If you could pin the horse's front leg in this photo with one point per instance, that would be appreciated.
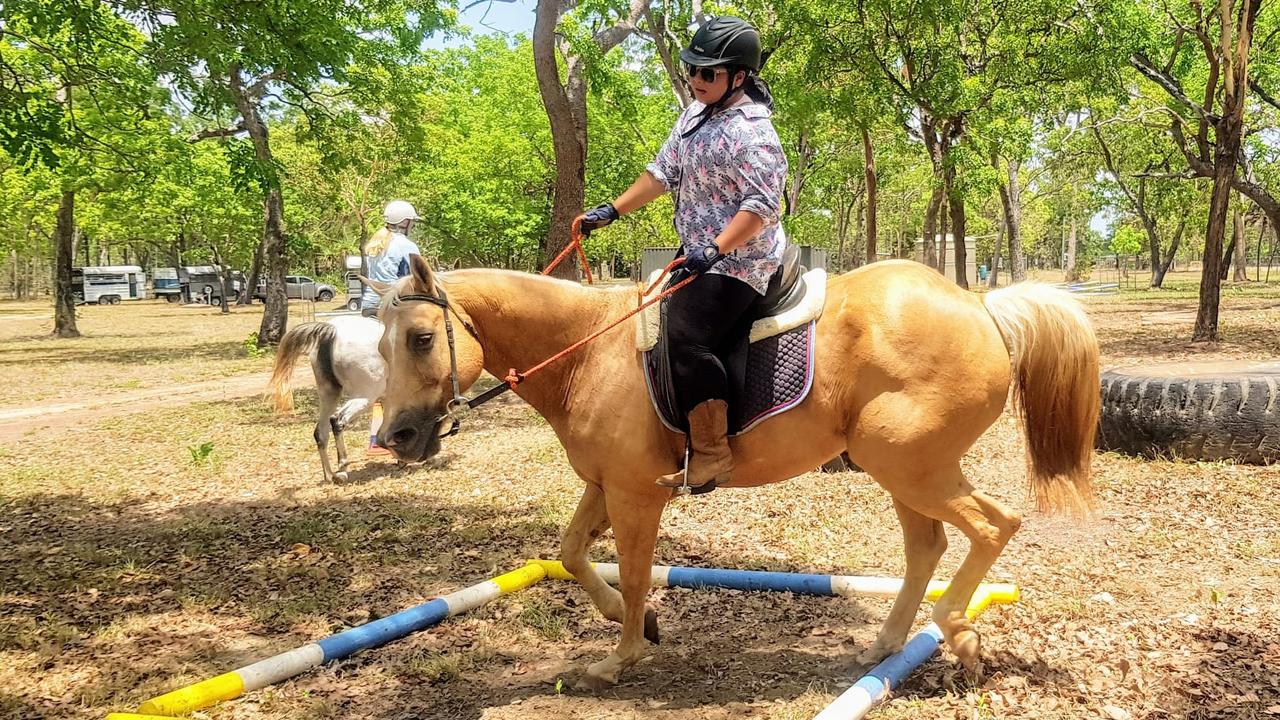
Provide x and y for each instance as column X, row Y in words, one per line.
column 635, row 513
column 349, row 411
column 589, row 523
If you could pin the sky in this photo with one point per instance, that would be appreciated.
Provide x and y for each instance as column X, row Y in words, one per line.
column 489, row 18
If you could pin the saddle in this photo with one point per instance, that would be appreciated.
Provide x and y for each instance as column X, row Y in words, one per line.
column 779, row 351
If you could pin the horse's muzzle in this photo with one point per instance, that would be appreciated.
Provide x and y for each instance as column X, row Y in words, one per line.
column 411, row 434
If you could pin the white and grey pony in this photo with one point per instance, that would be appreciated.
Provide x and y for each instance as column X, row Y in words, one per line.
column 345, row 361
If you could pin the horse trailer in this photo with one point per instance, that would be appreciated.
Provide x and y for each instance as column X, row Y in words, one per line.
column 355, row 286
column 166, row 284
column 108, row 285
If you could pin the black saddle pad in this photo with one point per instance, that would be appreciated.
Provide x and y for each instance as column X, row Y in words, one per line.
column 779, row 375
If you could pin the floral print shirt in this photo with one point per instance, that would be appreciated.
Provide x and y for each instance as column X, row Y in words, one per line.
column 733, row 162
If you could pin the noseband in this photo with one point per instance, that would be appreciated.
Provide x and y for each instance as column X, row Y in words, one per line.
column 460, row 405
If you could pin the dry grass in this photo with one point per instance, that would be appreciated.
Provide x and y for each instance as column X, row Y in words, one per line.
column 129, row 568
column 131, row 346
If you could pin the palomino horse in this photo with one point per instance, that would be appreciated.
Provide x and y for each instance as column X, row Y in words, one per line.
column 910, row 371
column 345, row 361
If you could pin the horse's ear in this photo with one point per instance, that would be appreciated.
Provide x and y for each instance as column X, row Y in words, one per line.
column 423, row 279
column 379, row 287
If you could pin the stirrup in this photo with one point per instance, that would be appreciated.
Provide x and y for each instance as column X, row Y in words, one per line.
column 685, row 488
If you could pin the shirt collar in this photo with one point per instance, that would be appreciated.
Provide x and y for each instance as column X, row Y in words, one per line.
column 749, row 108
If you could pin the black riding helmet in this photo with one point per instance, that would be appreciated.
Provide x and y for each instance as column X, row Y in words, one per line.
column 723, row 41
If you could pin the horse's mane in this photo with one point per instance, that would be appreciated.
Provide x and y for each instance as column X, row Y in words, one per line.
column 455, row 278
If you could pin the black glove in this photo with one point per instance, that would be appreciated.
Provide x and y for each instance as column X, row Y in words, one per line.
column 701, row 260
column 597, row 217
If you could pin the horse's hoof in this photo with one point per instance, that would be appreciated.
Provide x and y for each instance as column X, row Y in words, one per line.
column 589, row 683
column 966, row 645
column 651, row 626
column 340, row 477
column 600, row 676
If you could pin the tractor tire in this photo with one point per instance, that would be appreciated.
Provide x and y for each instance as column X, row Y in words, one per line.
column 1193, row 411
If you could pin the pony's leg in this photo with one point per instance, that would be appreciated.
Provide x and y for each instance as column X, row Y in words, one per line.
column 349, row 411
column 988, row 523
column 589, row 522
column 924, row 542
column 328, row 400
column 635, row 514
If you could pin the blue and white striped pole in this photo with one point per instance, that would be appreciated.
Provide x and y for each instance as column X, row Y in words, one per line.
column 335, row 647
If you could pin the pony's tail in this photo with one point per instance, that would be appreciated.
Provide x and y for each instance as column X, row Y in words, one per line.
column 295, row 343
column 1055, row 389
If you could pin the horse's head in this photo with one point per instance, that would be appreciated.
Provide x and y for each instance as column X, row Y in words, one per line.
column 420, row 362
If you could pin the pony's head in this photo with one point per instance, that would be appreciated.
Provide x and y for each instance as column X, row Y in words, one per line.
column 420, row 362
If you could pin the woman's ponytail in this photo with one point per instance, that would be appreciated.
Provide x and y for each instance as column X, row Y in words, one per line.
column 378, row 243
column 758, row 90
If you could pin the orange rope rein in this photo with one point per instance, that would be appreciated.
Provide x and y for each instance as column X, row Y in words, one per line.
column 514, row 378
column 575, row 243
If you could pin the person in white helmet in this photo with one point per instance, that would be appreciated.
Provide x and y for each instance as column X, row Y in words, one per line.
column 386, row 255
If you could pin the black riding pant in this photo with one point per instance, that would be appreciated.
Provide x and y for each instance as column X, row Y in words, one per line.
column 708, row 322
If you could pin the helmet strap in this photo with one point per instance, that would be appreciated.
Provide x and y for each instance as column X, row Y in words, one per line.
column 716, row 106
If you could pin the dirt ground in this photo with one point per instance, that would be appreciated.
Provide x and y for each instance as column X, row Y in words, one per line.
column 155, row 548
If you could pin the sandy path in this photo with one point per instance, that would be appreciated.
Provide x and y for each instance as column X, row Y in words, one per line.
column 19, row 422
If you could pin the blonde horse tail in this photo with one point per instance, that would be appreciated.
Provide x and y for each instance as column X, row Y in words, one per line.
column 1054, row 355
column 295, row 343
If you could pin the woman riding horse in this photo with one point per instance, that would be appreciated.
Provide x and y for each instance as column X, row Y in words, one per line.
column 724, row 166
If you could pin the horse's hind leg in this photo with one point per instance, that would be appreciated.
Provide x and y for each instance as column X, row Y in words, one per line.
column 328, row 400
column 988, row 523
column 924, row 542
column 349, row 411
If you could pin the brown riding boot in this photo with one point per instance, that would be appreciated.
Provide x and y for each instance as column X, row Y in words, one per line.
column 710, row 460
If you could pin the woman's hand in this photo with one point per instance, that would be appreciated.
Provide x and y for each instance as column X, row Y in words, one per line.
column 702, row 259
column 597, row 217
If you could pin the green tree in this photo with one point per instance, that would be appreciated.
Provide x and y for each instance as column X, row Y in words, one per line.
column 75, row 98
column 239, row 63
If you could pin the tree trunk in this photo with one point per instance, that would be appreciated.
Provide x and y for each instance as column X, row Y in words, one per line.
column 961, row 252
column 275, row 316
column 993, row 275
column 255, row 272
column 929, row 130
column 1011, row 201
column 1242, row 252
column 226, row 279
column 1069, row 271
column 1229, row 253
column 1159, row 271
column 658, row 28
column 930, row 239
column 1228, row 129
column 566, row 107
column 568, row 139
column 64, row 304
column 869, row 170
column 803, row 156
column 945, row 228
column 1206, row 327
column 859, row 229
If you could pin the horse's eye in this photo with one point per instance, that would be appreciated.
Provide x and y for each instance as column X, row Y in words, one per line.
column 421, row 342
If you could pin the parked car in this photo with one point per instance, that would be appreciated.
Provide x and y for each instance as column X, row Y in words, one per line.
column 300, row 287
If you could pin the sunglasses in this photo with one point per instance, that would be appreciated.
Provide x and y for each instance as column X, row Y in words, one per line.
column 708, row 74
